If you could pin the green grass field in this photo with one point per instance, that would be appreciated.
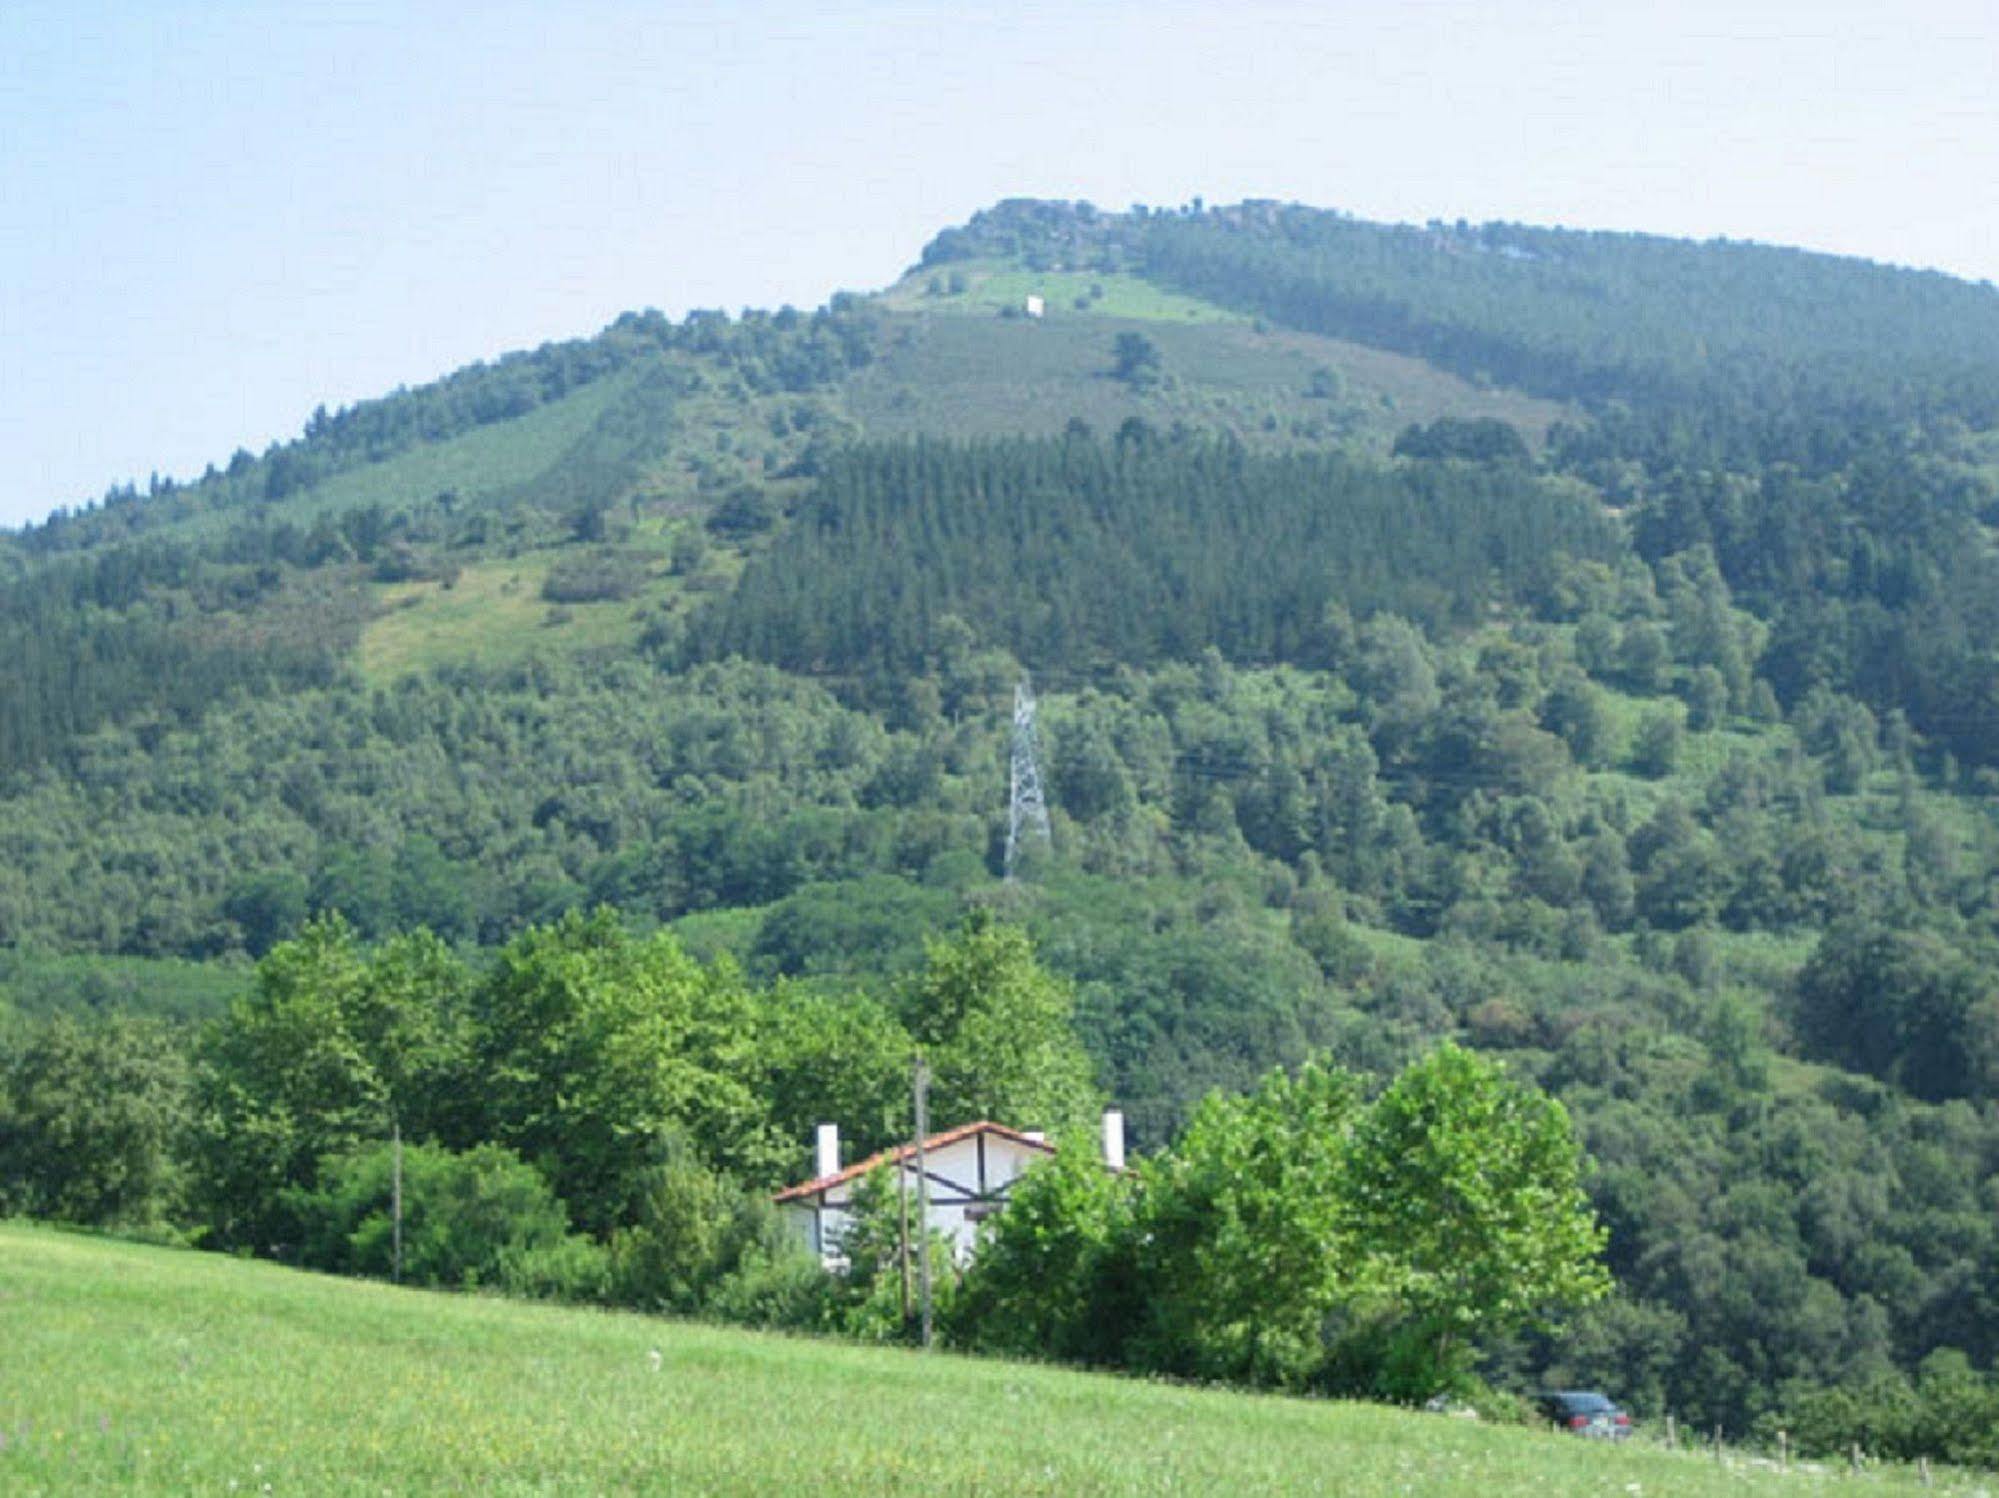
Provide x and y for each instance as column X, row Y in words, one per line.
column 992, row 286
column 133, row 1369
column 987, row 376
column 494, row 614
column 473, row 465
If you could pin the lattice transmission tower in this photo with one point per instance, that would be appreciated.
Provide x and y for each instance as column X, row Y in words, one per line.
column 1027, row 808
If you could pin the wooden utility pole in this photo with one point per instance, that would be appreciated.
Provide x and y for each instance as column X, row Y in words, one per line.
column 902, row 1205
column 396, row 1201
column 922, row 1083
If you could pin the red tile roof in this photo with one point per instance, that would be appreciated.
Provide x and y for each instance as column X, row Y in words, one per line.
column 903, row 1152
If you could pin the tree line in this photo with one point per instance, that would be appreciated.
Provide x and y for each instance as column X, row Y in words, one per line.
column 787, row 351
column 633, row 1109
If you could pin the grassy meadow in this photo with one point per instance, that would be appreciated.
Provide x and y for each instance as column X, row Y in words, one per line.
column 136, row 1369
column 994, row 286
column 982, row 377
column 493, row 614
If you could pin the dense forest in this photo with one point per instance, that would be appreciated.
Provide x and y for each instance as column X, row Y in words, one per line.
column 1074, row 555
column 1585, row 315
column 1655, row 761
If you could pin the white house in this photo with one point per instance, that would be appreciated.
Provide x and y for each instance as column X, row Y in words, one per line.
column 970, row 1170
column 1035, row 306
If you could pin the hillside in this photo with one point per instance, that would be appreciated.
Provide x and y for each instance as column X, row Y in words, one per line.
column 1575, row 646
column 141, row 1370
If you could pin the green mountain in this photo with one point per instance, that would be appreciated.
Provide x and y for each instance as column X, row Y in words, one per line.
column 1580, row 645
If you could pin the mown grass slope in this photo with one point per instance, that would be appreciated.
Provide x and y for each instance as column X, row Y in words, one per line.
column 129, row 1368
column 978, row 374
column 993, row 286
column 494, row 613
column 473, row 466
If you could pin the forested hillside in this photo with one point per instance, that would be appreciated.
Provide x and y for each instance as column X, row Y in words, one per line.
column 1075, row 555
column 1577, row 646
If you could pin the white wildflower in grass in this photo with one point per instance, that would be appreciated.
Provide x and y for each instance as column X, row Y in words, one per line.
column 653, row 1357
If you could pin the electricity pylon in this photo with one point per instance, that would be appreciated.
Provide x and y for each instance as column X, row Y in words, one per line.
column 1027, row 808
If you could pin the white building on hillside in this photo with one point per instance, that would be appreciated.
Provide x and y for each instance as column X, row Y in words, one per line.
column 970, row 1171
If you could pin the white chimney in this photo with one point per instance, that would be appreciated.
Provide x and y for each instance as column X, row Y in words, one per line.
column 1035, row 1136
column 1114, row 1138
column 828, row 1152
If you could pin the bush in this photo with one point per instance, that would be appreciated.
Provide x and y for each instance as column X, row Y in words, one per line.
column 744, row 513
column 483, row 1217
column 1501, row 1407
column 689, row 552
column 781, row 1286
column 1950, row 1412
column 1480, row 439
column 1135, row 360
column 1656, row 753
column 573, row 1268
column 600, row 577
column 92, row 1120
column 704, row 1245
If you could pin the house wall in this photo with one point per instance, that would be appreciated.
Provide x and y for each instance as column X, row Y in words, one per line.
column 965, row 1177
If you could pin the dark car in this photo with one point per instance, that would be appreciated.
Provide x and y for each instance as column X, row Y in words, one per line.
column 1585, row 1414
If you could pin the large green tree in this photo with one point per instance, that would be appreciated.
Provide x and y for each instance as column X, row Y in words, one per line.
column 335, row 1047
column 1053, row 1276
column 1464, row 1195
column 1906, row 1006
column 93, row 1118
column 591, row 1045
column 999, row 1032
column 1238, row 1233
column 826, row 1058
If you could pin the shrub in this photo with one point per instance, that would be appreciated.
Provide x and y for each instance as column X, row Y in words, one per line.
column 481, row 1217
column 744, row 513
column 780, row 1285
column 1480, row 439
column 1656, row 753
column 702, row 1244
column 599, row 577
column 573, row 1268
column 689, row 552
column 1949, row 1412
column 92, row 1118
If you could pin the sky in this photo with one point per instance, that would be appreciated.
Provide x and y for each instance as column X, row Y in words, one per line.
column 215, row 217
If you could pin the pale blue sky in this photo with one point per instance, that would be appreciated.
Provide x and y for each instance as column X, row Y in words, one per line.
column 215, row 216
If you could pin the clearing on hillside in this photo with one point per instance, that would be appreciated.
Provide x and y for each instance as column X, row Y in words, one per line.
column 983, row 375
